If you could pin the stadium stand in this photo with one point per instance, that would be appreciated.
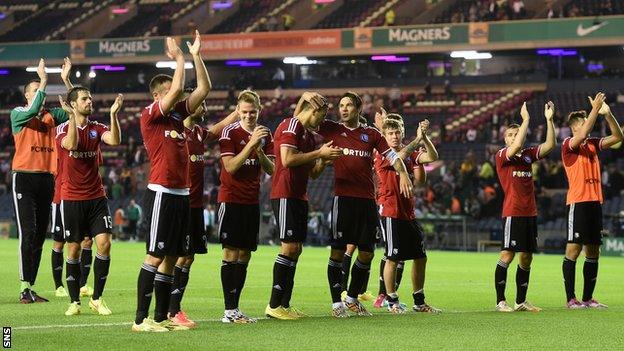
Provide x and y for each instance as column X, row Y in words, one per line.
column 269, row 22
column 47, row 18
column 477, row 11
column 248, row 13
column 350, row 14
column 576, row 8
column 151, row 13
column 20, row 10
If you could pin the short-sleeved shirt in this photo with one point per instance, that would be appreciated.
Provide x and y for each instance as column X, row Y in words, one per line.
column 292, row 182
column 353, row 172
column 242, row 187
column 582, row 167
column 196, row 139
column 516, row 177
column 166, row 145
column 393, row 203
column 81, row 178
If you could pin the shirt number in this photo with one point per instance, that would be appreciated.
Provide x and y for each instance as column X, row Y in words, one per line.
column 108, row 222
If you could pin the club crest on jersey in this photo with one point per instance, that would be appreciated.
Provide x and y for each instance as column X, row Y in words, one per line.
column 174, row 134
column 92, row 134
column 527, row 159
column 364, row 138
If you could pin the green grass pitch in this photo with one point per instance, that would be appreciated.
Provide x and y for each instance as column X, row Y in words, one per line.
column 459, row 283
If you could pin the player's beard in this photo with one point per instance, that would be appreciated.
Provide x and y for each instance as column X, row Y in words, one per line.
column 86, row 111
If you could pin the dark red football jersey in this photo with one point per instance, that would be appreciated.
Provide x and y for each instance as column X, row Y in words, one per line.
column 516, row 177
column 393, row 203
column 80, row 175
column 196, row 139
column 292, row 182
column 353, row 172
column 166, row 146
column 242, row 187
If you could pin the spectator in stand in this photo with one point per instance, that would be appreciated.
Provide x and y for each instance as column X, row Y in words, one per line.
column 518, row 9
column 471, row 135
column 116, row 191
column 112, row 176
column 427, row 89
column 209, row 219
column 551, row 12
column 126, row 180
column 119, row 221
column 486, row 173
column 574, row 11
column 614, row 181
column 134, row 213
column 492, row 11
column 473, row 13
column 279, row 77
column 289, row 21
column 448, row 90
column 395, row 97
column 390, row 18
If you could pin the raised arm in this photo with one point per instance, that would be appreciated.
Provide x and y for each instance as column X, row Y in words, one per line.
column 518, row 142
column 203, row 80
column 587, row 127
column 547, row 146
column 22, row 115
column 616, row 131
column 177, row 84
column 233, row 163
column 431, row 154
column 70, row 140
column 43, row 75
column 408, row 149
column 217, row 128
column 65, row 72
column 113, row 137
